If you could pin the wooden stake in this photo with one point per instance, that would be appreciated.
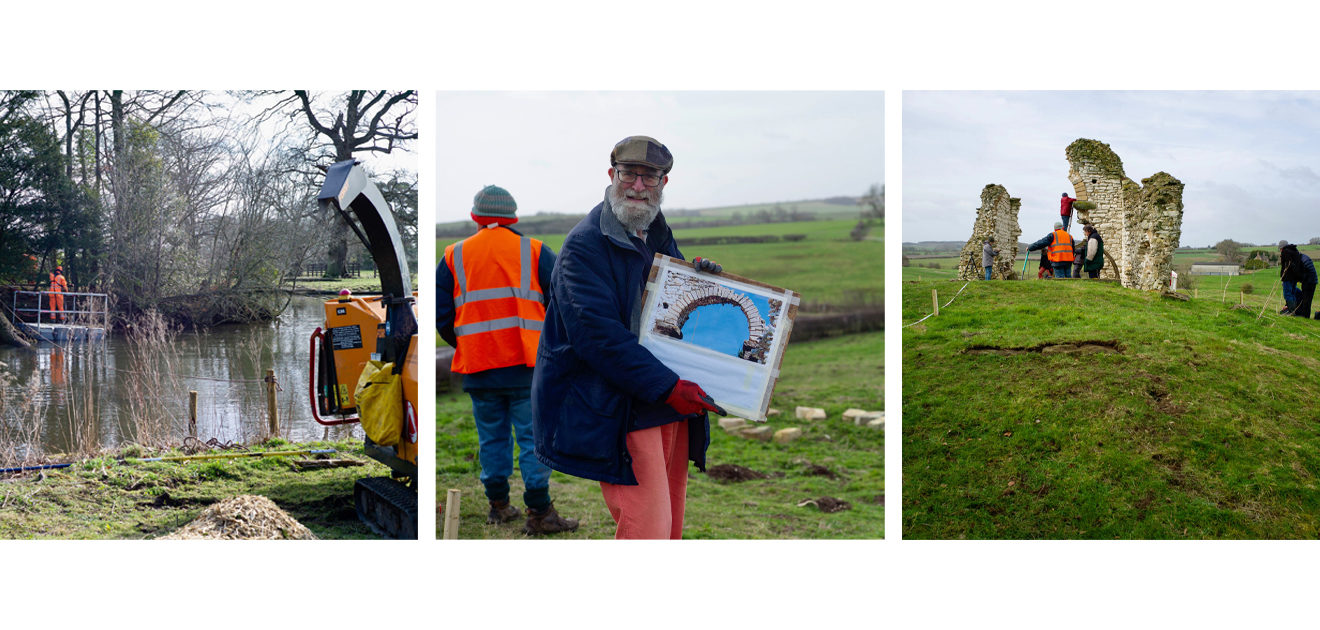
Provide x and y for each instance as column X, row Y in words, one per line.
column 192, row 414
column 1196, row 293
column 452, row 500
column 935, row 299
column 272, row 409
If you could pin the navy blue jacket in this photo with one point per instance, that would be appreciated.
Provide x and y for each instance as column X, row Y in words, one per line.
column 593, row 381
column 512, row 377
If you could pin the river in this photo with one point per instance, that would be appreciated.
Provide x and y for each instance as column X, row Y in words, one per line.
column 102, row 395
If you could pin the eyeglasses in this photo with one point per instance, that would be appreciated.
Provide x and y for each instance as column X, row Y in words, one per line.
column 628, row 177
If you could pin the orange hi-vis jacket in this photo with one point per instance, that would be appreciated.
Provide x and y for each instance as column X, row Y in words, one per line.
column 499, row 304
column 58, row 283
column 1061, row 250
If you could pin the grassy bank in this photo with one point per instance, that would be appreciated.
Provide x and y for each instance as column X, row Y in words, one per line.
column 1078, row 409
column 109, row 499
column 832, row 458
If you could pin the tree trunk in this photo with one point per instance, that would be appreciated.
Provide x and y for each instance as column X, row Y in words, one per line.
column 10, row 336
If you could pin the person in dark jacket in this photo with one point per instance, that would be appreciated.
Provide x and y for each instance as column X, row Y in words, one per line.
column 1296, row 268
column 489, row 306
column 988, row 253
column 605, row 408
column 1058, row 246
column 1093, row 258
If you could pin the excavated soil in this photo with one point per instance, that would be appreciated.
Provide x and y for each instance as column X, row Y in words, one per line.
column 733, row 472
column 244, row 517
column 1073, row 347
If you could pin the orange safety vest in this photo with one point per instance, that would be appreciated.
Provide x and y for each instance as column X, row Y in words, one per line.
column 1062, row 249
column 58, row 283
column 499, row 304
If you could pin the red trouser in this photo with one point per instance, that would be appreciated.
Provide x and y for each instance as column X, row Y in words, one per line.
column 654, row 507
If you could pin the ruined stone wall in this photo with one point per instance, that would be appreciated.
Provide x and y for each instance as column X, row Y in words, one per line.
column 1141, row 225
column 998, row 217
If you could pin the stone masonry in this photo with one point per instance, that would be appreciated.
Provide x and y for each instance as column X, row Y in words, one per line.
column 998, row 217
column 1140, row 224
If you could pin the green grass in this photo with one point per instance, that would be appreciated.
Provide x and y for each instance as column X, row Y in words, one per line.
column 107, row 499
column 368, row 284
column 836, row 374
column 826, row 267
column 1202, row 426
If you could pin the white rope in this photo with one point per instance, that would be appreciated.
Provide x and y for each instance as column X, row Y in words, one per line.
column 946, row 305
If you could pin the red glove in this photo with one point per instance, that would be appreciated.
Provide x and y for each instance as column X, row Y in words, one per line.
column 688, row 399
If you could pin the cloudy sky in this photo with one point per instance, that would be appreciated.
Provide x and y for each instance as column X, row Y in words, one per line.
column 1249, row 160
column 551, row 149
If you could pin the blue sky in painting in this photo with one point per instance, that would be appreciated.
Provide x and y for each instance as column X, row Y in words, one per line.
column 722, row 327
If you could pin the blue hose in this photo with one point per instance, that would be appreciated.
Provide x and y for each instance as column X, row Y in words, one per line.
column 27, row 468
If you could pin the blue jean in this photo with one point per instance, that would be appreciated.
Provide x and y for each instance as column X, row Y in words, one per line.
column 1290, row 294
column 501, row 414
column 987, row 272
column 1062, row 270
column 1066, row 220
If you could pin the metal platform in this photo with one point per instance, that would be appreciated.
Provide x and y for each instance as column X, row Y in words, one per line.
column 62, row 333
column 61, row 317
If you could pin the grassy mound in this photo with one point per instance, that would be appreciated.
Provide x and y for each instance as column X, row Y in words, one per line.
column 1078, row 409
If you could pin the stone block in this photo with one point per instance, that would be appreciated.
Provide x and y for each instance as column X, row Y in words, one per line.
column 732, row 424
column 772, row 412
column 763, row 433
column 810, row 413
column 867, row 417
column 878, row 423
column 851, row 414
column 784, row 436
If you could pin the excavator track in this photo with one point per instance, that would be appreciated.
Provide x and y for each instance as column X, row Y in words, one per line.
column 388, row 507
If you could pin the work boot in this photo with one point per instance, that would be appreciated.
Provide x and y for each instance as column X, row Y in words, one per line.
column 501, row 512
column 548, row 521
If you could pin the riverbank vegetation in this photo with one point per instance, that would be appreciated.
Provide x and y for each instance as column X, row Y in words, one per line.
column 199, row 206
column 113, row 496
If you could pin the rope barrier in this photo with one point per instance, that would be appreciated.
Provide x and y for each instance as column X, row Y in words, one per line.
column 946, row 305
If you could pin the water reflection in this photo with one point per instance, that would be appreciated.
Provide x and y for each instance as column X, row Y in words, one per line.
column 80, row 397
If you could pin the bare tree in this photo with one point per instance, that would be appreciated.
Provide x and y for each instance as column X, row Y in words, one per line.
column 360, row 121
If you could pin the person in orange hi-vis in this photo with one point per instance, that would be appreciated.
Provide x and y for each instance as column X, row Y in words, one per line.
column 58, row 285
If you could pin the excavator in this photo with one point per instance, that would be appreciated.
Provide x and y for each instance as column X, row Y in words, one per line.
column 371, row 342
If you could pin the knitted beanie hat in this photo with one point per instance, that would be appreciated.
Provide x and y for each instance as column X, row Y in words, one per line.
column 493, row 204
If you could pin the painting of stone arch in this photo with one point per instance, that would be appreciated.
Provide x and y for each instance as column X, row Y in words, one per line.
column 722, row 331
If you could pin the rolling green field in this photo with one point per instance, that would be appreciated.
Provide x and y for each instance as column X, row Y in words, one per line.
column 1080, row 409
column 826, row 267
column 833, row 458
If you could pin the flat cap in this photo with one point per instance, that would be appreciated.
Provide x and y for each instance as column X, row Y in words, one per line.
column 642, row 150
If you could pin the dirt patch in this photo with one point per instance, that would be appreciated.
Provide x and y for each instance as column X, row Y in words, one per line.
column 1160, row 397
column 1072, row 347
column 733, row 472
column 816, row 470
column 827, row 505
column 244, row 517
column 164, row 500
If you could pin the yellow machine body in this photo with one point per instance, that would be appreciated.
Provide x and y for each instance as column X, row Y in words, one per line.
column 351, row 328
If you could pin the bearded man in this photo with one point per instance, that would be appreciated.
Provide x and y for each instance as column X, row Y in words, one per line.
column 604, row 407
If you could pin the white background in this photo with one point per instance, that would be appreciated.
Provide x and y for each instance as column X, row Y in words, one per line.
column 823, row 44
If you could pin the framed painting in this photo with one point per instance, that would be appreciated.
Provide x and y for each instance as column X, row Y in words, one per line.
column 723, row 332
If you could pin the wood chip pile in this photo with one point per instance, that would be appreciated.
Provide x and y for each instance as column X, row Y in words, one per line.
column 244, row 517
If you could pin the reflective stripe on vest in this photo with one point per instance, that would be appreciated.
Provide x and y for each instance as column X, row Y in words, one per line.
column 500, row 325
column 1062, row 249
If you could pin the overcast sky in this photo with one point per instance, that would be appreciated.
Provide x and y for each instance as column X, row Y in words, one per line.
column 1249, row 160
column 551, row 149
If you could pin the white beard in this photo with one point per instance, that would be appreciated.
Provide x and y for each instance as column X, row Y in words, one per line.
column 636, row 214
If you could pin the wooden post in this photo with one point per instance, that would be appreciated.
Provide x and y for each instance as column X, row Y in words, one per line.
column 452, row 500
column 272, row 410
column 1196, row 293
column 935, row 299
column 1241, row 298
column 192, row 414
